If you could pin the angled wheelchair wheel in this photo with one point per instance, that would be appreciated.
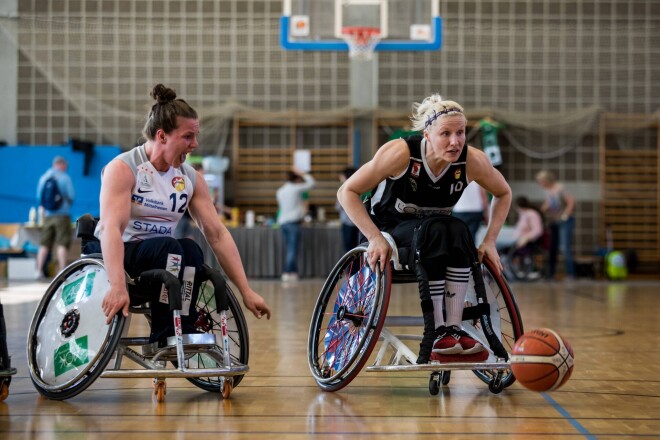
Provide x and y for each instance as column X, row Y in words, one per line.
column 347, row 320
column 504, row 319
column 69, row 344
column 208, row 321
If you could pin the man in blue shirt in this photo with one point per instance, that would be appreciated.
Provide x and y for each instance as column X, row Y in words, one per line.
column 56, row 228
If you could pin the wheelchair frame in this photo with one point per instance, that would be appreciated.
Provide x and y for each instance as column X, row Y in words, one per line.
column 181, row 350
column 341, row 340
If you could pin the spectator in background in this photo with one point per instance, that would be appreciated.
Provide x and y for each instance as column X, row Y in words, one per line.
column 55, row 196
column 558, row 208
column 349, row 232
column 291, row 214
column 529, row 227
column 472, row 208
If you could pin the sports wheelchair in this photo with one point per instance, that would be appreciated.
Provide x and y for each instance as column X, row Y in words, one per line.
column 350, row 319
column 69, row 344
column 526, row 263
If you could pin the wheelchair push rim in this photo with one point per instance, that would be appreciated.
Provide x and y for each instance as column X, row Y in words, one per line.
column 347, row 320
column 69, row 342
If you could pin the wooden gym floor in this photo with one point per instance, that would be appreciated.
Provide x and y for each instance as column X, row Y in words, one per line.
column 614, row 391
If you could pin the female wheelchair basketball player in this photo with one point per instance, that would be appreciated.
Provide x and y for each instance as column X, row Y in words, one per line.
column 417, row 181
column 144, row 193
column 412, row 238
column 423, row 177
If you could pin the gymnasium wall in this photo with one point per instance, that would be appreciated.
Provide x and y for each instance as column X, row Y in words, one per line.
column 86, row 67
column 21, row 167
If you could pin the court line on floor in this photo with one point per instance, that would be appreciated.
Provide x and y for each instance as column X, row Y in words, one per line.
column 567, row 416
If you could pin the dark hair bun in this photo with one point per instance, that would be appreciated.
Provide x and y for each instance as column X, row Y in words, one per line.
column 163, row 94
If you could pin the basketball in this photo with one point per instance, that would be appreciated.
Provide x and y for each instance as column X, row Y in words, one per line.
column 542, row 360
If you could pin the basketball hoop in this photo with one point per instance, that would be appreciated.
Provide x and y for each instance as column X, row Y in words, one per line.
column 361, row 41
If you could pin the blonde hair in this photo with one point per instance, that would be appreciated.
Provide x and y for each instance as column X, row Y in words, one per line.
column 546, row 176
column 431, row 109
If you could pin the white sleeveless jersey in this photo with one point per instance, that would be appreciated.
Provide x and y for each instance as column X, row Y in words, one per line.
column 159, row 199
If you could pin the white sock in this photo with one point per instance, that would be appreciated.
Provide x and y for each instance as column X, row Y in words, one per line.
column 437, row 289
column 455, row 291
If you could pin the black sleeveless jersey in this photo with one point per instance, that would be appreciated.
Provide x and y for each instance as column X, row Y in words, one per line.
column 417, row 193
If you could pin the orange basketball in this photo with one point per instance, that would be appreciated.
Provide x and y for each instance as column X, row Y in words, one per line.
column 542, row 360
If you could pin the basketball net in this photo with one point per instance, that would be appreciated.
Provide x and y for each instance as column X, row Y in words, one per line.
column 361, row 41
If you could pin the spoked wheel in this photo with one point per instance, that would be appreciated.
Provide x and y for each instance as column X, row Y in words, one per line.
column 505, row 320
column 347, row 320
column 69, row 343
column 208, row 321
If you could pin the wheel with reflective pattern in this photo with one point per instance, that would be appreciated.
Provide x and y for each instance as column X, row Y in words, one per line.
column 69, row 342
column 347, row 320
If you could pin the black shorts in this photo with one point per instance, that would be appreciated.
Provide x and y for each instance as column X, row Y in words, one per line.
column 445, row 237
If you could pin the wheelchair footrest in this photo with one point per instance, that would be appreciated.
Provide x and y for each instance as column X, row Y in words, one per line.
column 235, row 370
column 192, row 341
column 438, row 366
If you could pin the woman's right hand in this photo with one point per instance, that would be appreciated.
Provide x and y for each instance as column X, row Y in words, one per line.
column 115, row 300
column 378, row 252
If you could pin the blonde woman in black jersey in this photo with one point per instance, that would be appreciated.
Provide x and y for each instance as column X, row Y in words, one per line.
column 420, row 177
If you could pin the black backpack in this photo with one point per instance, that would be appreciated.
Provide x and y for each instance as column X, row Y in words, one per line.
column 51, row 197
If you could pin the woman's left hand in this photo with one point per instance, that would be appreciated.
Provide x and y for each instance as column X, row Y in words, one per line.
column 488, row 250
column 256, row 304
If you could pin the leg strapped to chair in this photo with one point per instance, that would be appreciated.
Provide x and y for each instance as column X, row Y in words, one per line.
column 476, row 316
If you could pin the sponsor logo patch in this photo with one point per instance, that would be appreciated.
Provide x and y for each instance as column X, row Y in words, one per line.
column 178, row 183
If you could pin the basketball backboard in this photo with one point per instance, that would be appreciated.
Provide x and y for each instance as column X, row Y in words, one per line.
column 317, row 25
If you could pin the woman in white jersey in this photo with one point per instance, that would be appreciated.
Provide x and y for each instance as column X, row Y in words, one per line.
column 422, row 177
column 144, row 193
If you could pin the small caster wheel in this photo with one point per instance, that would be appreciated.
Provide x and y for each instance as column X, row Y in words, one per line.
column 495, row 385
column 160, row 389
column 4, row 390
column 227, row 386
column 446, row 375
column 434, row 383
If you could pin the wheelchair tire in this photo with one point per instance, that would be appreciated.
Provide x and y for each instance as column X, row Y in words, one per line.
column 239, row 344
column 69, row 344
column 525, row 267
column 509, row 327
column 347, row 320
